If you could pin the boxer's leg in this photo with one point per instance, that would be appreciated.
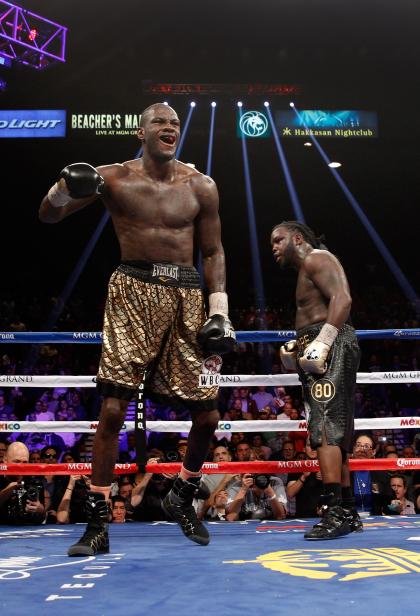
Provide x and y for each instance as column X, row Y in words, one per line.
column 105, row 454
column 178, row 503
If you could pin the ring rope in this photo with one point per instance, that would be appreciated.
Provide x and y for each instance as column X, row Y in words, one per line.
column 209, row 380
column 211, row 468
column 241, row 336
column 258, row 425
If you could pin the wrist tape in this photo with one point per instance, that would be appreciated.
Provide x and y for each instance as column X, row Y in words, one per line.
column 327, row 335
column 57, row 197
column 218, row 304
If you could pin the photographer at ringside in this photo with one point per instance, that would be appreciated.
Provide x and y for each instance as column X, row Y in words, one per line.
column 72, row 506
column 256, row 497
column 22, row 497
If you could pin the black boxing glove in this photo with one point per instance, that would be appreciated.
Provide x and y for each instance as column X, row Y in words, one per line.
column 82, row 180
column 217, row 335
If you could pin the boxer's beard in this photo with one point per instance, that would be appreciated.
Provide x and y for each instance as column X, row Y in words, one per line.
column 287, row 260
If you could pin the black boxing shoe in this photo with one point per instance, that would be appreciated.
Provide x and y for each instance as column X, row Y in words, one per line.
column 95, row 539
column 334, row 523
column 356, row 524
column 177, row 505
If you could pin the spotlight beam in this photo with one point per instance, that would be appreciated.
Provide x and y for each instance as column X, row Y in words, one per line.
column 184, row 131
column 256, row 260
column 211, row 139
column 399, row 275
column 287, row 175
column 208, row 172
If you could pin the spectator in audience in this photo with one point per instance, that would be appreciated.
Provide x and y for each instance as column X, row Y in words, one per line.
column 259, row 447
column 236, row 438
column 3, row 448
column 181, row 448
column 286, row 410
column 54, row 485
column 67, row 457
column 126, row 490
column 131, row 447
column 408, row 452
column 365, row 484
column 306, row 488
column 148, row 493
column 79, row 408
column 288, row 451
column 69, row 438
column 248, row 405
column 215, row 482
column 36, row 410
column 260, row 497
column 242, row 452
column 262, row 397
column 71, row 508
column 278, row 400
column 118, row 510
column 35, row 457
column 21, row 497
column 217, row 511
column 234, row 412
column 42, row 413
column 398, row 504
column 6, row 410
column 297, row 437
column 275, row 443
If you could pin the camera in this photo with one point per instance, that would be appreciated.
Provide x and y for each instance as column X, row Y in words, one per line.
column 24, row 492
column 262, row 481
column 172, row 456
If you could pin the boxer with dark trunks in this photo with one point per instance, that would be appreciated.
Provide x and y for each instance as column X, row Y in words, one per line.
column 155, row 325
column 326, row 356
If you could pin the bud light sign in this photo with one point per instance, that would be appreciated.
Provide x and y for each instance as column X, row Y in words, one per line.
column 33, row 123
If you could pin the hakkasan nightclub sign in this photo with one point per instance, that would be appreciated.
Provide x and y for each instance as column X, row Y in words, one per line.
column 104, row 124
column 320, row 123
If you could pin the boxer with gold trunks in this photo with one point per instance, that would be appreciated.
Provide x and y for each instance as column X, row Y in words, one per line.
column 155, row 325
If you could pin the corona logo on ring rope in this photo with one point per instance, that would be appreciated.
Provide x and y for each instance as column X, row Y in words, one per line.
column 253, row 124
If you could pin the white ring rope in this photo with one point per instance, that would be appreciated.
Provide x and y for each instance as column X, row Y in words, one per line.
column 259, row 425
column 209, row 380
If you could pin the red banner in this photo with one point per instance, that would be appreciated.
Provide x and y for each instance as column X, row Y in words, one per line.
column 273, row 468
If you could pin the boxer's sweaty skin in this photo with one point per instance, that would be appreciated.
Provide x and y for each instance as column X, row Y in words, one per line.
column 159, row 205
column 322, row 290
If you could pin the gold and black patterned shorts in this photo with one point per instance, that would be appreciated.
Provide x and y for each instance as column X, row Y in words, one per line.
column 152, row 316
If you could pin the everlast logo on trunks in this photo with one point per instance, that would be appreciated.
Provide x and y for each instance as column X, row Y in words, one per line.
column 165, row 272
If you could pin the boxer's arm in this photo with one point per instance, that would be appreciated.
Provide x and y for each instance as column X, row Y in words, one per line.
column 209, row 235
column 217, row 334
column 327, row 274
column 50, row 214
column 58, row 203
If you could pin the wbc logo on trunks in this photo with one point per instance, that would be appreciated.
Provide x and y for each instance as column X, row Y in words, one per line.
column 210, row 371
column 212, row 365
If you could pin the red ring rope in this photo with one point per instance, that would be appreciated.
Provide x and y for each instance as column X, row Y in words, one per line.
column 273, row 468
